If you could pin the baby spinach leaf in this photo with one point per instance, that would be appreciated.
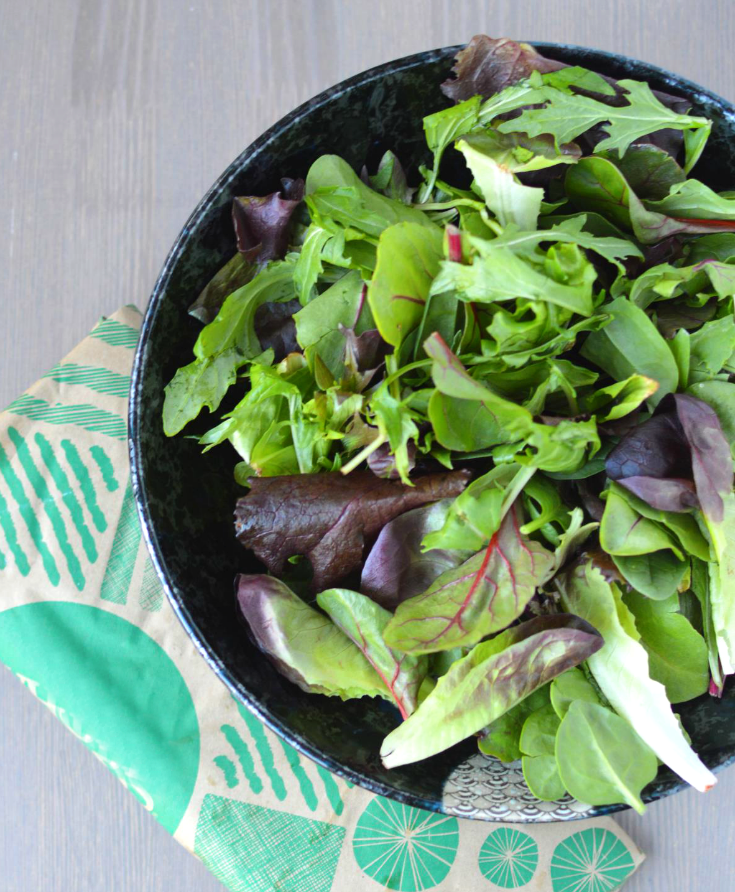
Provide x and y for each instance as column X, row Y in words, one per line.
column 465, row 425
column 396, row 569
column 625, row 532
column 502, row 737
column 649, row 170
column 489, row 681
column 481, row 596
column 572, row 685
column 328, row 517
column 542, row 777
column 620, row 399
column 621, row 670
column 677, row 654
column 629, row 345
column 537, row 744
column 303, row 644
column 711, row 347
column 408, row 260
column 601, row 759
column 657, row 575
column 363, row 622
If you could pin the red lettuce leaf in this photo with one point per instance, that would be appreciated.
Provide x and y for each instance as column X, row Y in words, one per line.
column 329, row 518
column 262, row 223
column 276, row 329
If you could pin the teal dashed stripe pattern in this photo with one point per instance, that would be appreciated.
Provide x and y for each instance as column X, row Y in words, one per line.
column 96, row 378
column 116, row 334
column 58, row 475
column 40, row 488
column 305, row 784
column 11, row 537
column 151, row 590
column 331, row 789
column 102, row 459
column 250, row 848
column 85, row 483
column 257, row 732
column 29, row 518
column 119, row 570
column 244, row 757
column 228, row 769
column 83, row 415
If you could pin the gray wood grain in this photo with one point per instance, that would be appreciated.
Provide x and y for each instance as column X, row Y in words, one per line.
column 115, row 116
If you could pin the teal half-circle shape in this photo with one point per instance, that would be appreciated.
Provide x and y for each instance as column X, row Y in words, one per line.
column 117, row 690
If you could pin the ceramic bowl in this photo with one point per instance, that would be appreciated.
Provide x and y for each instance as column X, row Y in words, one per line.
column 186, row 499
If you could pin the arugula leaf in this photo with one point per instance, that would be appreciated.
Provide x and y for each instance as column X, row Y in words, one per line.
column 442, row 129
column 408, row 260
column 502, row 737
column 621, row 670
column 677, row 654
column 363, row 621
column 223, row 346
column 566, row 116
column 305, row 646
column 629, row 345
column 483, row 595
column 328, row 517
column 601, row 758
column 396, row 569
column 489, row 681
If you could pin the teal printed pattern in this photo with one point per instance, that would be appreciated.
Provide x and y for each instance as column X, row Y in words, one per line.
column 151, row 590
column 85, row 484
column 83, row 415
column 116, row 334
column 305, row 785
column 11, row 535
column 241, row 750
column 95, row 378
column 120, row 566
column 257, row 732
column 593, row 860
column 403, row 848
column 508, row 858
column 250, row 848
column 103, row 462
column 228, row 768
column 331, row 789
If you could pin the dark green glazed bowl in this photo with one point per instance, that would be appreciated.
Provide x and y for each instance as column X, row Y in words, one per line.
column 186, row 499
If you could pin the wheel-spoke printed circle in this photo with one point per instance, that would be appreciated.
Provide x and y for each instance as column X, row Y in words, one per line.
column 509, row 858
column 593, row 860
column 404, row 848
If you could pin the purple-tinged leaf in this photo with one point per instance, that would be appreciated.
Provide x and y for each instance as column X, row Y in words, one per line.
column 495, row 676
column 238, row 271
column 363, row 621
column 383, row 462
column 396, row 569
column 669, row 494
column 276, row 329
column 487, row 65
column 304, row 645
column 262, row 223
column 656, row 448
column 481, row 596
column 329, row 517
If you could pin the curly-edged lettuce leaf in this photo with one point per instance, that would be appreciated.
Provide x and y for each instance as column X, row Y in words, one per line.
column 630, row 344
column 621, row 669
column 408, row 259
column 304, row 645
column 481, row 596
column 495, row 676
column 224, row 346
column 329, row 517
column 262, row 223
column 600, row 757
column 396, row 569
column 363, row 621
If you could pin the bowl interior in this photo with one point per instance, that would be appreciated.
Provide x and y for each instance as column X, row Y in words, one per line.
column 186, row 499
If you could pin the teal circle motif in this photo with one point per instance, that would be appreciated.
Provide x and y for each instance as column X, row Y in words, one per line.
column 404, row 848
column 593, row 860
column 117, row 690
column 508, row 858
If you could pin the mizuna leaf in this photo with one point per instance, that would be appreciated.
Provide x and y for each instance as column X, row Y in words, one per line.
column 481, row 596
column 490, row 680
column 329, row 517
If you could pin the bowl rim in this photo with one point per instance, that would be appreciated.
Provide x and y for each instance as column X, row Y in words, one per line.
column 137, row 477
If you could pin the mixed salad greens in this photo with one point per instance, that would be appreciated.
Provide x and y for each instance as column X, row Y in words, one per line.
column 487, row 426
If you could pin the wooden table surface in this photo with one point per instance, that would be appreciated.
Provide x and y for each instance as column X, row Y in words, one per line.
column 115, row 117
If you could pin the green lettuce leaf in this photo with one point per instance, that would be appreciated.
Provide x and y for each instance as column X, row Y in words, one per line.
column 502, row 737
column 490, row 680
